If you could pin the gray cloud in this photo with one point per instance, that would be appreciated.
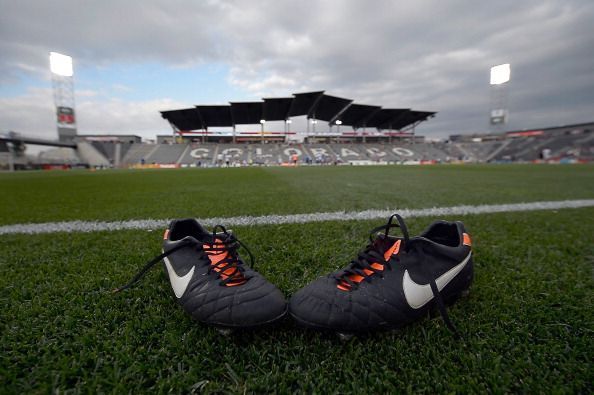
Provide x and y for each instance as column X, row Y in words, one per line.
column 429, row 55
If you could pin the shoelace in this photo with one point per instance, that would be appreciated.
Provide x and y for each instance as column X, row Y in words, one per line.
column 230, row 268
column 364, row 265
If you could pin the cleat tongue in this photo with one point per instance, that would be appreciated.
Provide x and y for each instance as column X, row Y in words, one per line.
column 217, row 254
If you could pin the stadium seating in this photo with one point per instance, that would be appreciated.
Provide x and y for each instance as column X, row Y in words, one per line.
column 478, row 151
column 105, row 148
column 522, row 149
column 138, row 152
column 198, row 154
column 167, row 154
column 560, row 146
column 66, row 156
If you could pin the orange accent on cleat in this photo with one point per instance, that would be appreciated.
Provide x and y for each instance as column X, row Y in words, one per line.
column 466, row 239
column 344, row 286
column 166, row 234
column 216, row 257
column 377, row 266
column 395, row 249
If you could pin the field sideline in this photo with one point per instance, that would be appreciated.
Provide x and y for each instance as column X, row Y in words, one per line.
column 528, row 323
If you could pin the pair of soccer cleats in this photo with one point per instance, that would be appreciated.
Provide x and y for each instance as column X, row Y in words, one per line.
column 392, row 282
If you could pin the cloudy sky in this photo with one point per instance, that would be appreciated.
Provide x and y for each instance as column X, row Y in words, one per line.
column 135, row 58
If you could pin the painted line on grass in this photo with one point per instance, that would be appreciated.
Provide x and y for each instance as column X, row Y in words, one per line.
column 147, row 224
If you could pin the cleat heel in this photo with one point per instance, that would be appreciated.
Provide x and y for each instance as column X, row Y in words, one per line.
column 454, row 298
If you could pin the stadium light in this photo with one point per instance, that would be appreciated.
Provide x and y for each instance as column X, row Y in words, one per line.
column 314, row 121
column 288, row 121
column 500, row 74
column 262, row 121
column 61, row 64
column 338, row 122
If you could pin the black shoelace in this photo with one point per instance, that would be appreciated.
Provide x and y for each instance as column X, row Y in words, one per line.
column 228, row 245
column 372, row 253
column 219, row 244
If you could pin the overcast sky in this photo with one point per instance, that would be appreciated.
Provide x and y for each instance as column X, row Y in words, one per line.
column 135, row 58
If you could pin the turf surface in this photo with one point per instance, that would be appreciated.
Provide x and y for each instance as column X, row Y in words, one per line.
column 528, row 323
column 136, row 194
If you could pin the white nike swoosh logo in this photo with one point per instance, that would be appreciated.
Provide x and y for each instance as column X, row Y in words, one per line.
column 179, row 284
column 418, row 295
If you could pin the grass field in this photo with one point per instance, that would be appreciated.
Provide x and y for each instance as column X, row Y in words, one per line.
column 528, row 323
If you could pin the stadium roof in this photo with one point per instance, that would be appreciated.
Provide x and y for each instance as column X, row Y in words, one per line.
column 407, row 118
column 303, row 103
column 385, row 116
column 277, row 109
column 316, row 105
column 247, row 112
column 215, row 115
column 327, row 107
column 356, row 114
column 186, row 119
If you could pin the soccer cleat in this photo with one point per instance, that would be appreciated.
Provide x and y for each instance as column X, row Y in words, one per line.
column 392, row 282
column 211, row 282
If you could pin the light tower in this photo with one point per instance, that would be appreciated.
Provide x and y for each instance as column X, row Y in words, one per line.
column 500, row 76
column 63, row 86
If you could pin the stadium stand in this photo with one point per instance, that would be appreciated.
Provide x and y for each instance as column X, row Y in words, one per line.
column 548, row 147
column 478, row 152
column 91, row 156
column 576, row 146
column 124, row 148
column 451, row 150
column 59, row 156
column 138, row 152
column 264, row 154
column 574, row 143
column 320, row 153
column 166, row 154
column 233, row 154
column 107, row 149
column 197, row 154
column 564, row 146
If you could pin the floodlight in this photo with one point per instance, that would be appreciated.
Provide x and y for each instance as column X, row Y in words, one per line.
column 288, row 121
column 262, row 121
column 314, row 121
column 500, row 74
column 61, row 64
column 338, row 122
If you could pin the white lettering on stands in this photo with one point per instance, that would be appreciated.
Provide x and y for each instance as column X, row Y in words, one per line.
column 376, row 152
column 292, row 151
column 348, row 152
column 199, row 152
column 402, row 151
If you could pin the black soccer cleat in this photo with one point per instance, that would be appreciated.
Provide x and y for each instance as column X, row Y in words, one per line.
column 211, row 282
column 392, row 282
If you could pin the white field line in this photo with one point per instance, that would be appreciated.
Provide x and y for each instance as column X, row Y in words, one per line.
column 147, row 224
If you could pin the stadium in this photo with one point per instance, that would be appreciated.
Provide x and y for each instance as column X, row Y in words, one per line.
column 371, row 135
column 306, row 242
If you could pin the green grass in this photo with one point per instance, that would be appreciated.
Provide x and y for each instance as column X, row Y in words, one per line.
column 528, row 323
column 116, row 195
